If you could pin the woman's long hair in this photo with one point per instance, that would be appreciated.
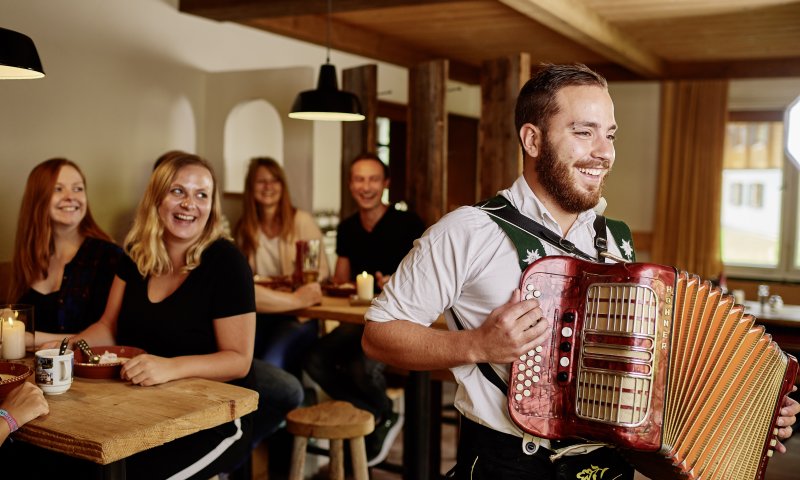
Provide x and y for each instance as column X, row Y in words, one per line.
column 249, row 224
column 34, row 242
column 145, row 243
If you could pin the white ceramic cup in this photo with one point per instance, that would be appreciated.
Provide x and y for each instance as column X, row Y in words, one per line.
column 54, row 371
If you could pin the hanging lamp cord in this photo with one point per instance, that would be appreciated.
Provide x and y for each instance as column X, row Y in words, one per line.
column 328, row 33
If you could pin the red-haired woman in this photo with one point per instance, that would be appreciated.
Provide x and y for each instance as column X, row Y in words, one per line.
column 63, row 262
column 266, row 233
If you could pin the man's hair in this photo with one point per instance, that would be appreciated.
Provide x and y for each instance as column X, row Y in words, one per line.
column 370, row 156
column 536, row 103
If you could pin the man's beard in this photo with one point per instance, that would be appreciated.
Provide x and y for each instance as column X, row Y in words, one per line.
column 556, row 178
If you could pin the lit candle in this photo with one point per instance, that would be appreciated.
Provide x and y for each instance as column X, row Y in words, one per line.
column 13, row 339
column 365, row 285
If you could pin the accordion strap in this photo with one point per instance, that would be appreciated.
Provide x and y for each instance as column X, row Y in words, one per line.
column 484, row 367
column 518, row 227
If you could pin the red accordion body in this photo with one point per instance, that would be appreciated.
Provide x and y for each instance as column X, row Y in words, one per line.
column 652, row 360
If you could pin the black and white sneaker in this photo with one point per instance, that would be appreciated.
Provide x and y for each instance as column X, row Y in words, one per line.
column 380, row 441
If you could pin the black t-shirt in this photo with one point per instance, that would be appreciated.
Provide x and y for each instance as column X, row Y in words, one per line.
column 384, row 247
column 81, row 299
column 182, row 324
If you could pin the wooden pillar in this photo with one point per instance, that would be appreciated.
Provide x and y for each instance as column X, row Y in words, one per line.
column 499, row 153
column 426, row 164
column 358, row 137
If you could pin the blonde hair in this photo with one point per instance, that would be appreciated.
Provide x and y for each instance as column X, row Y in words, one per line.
column 145, row 242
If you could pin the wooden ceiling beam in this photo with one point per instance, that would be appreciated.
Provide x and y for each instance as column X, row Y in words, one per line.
column 577, row 22
column 235, row 10
column 311, row 28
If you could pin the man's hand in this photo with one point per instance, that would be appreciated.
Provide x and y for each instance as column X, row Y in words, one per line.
column 788, row 415
column 511, row 330
column 381, row 279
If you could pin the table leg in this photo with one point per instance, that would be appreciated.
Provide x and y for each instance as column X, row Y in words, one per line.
column 416, row 434
column 112, row 471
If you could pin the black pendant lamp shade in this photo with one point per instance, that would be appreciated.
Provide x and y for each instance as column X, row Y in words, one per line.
column 18, row 56
column 327, row 102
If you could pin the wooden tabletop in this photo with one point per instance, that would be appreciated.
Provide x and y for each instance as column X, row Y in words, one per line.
column 343, row 309
column 107, row 420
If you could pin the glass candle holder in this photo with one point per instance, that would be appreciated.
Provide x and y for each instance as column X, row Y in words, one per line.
column 16, row 331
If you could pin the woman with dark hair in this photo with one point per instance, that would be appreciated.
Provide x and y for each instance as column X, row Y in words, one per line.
column 63, row 263
column 266, row 233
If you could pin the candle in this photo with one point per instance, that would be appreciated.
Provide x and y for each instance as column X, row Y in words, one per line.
column 365, row 285
column 13, row 339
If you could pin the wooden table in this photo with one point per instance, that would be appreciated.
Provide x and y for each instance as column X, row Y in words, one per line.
column 106, row 421
column 421, row 434
column 783, row 324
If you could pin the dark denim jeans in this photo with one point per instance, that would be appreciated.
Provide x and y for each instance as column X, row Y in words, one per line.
column 279, row 392
column 338, row 364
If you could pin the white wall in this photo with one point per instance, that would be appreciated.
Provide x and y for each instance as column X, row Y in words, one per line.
column 125, row 76
column 121, row 76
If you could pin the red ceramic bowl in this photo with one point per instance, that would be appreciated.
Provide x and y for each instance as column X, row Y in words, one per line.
column 84, row 369
column 18, row 372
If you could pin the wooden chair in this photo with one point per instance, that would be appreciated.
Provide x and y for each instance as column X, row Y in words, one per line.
column 336, row 421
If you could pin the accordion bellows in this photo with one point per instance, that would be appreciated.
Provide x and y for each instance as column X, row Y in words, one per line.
column 654, row 361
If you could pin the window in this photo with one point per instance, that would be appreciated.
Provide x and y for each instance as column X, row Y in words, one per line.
column 759, row 218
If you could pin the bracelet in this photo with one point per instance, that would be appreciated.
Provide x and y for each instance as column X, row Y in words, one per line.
column 12, row 424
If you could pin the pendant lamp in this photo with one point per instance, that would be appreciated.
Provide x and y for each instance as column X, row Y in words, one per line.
column 327, row 102
column 18, row 56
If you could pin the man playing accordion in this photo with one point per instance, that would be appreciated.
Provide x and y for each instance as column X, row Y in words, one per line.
column 468, row 265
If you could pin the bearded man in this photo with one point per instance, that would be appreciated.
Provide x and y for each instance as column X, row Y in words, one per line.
column 468, row 267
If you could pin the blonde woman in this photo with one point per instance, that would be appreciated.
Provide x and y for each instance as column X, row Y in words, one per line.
column 185, row 295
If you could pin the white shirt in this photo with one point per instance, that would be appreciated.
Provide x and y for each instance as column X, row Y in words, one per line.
column 467, row 262
column 268, row 261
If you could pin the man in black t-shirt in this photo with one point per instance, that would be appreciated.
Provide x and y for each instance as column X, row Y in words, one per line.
column 374, row 240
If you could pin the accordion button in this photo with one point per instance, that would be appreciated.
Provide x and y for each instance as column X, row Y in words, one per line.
column 565, row 346
column 522, row 357
column 773, row 442
column 518, row 397
column 531, row 352
column 522, row 367
column 527, row 383
column 566, row 332
column 568, row 317
column 770, row 453
column 527, row 393
column 529, row 287
column 538, row 349
column 529, row 373
column 537, row 293
column 519, row 386
column 529, row 362
column 537, row 358
column 562, row 376
column 520, row 377
column 528, row 296
column 535, row 378
column 564, row 361
column 537, row 368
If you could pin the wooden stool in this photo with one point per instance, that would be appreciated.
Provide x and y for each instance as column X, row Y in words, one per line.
column 335, row 421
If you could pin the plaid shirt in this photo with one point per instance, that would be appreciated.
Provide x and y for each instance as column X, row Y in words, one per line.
column 84, row 290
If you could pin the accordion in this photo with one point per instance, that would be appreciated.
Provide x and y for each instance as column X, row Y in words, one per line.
column 654, row 361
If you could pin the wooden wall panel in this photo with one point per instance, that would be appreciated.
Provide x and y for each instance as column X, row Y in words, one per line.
column 499, row 153
column 426, row 165
column 358, row 137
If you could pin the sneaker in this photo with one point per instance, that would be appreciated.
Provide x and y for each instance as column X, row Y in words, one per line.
column 380, row 441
